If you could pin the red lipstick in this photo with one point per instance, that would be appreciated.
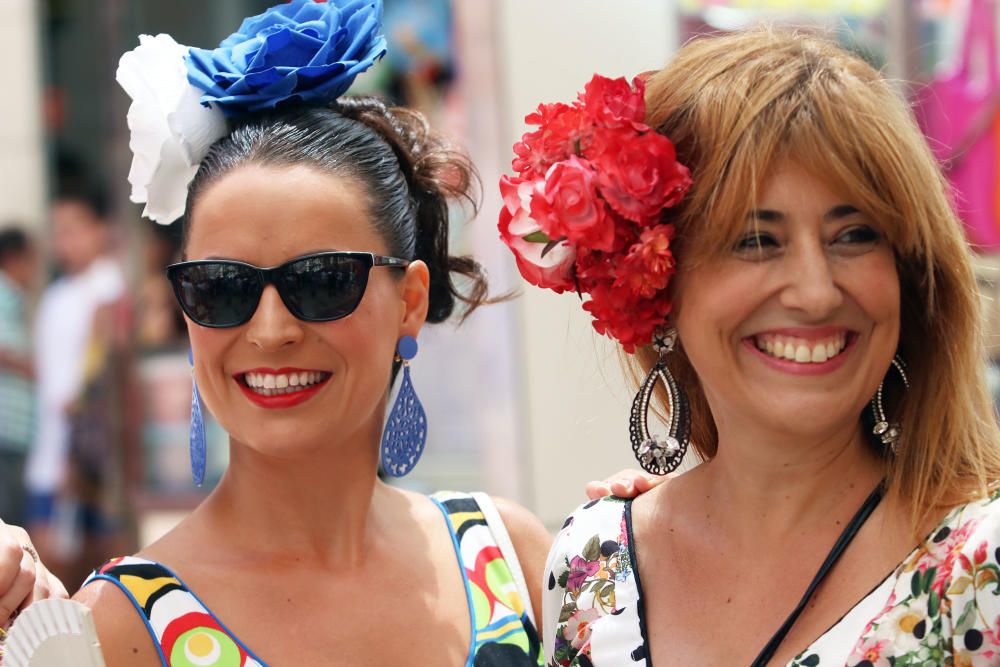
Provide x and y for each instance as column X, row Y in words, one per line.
column 281, row 401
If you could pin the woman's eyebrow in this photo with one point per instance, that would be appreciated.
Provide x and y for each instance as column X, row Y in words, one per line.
column 841, row 211
column 769, row 215
column 766, row 215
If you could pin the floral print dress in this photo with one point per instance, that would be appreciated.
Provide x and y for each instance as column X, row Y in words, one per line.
column 940, row 606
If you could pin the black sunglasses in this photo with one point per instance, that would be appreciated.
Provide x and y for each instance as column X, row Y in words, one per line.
column 327, row 286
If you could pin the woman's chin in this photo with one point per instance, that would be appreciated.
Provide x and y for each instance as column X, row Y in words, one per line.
column 809, row 416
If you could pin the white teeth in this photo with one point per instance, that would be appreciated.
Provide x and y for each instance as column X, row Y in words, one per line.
column 800, row 350
column 282, row 383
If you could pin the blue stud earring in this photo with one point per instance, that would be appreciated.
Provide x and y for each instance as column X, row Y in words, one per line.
column 406, row 429
column 197, row 443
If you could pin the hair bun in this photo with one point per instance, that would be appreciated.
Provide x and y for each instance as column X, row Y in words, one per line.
column 436, row 172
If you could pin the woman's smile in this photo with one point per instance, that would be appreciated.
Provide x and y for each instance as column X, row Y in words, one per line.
column 803, row 351
column 282, row 388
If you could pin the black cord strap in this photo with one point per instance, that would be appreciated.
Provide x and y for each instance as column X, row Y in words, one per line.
column 850, row 532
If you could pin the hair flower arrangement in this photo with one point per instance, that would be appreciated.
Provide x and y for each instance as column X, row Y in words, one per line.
column 170, row 130
column 302, row 51
column 584, row 211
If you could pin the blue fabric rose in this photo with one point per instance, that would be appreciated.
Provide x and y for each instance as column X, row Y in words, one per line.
column 302, row 50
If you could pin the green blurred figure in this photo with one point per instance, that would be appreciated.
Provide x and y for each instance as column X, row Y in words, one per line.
column 18, row 268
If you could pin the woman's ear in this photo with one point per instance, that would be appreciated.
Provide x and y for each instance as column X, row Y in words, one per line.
column 415, row 289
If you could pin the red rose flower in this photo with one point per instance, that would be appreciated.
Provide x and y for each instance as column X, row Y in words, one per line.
column 584, row 212
column 569, row 207
column 523, row 235
column 613, row 102
column 639, row 176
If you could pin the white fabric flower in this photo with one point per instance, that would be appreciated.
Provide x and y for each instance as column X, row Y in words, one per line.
column 171, row 130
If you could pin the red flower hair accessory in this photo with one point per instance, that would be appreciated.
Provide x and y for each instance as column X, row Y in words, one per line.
column 584, row 211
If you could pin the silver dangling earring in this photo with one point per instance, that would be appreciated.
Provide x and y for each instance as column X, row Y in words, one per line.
column 887, row 431
column 655, row 455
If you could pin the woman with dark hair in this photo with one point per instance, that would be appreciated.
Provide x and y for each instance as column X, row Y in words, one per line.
column 315, row 249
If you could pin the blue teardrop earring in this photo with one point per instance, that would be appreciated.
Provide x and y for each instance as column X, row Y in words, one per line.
column 406, row 429
column 197, row 443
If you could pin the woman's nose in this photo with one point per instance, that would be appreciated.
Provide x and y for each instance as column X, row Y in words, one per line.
column 811, row 285
column 272, row 325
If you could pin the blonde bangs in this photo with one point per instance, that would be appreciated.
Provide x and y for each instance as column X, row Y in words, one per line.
column 736, row 107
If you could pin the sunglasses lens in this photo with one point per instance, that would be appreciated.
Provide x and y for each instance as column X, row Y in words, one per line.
column 216, row 294
column 324, row 287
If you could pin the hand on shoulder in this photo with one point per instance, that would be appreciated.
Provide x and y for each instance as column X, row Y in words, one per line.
column 627, row 483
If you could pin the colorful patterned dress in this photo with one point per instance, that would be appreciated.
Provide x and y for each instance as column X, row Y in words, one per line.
column 187, row 634
column 940, row 606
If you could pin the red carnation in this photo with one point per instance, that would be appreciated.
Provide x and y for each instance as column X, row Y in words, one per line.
column 630, row 321
column 561, row 130
column 594, row 268
column 649, row 264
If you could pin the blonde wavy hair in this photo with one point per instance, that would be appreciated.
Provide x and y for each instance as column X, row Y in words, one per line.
column 738, row 104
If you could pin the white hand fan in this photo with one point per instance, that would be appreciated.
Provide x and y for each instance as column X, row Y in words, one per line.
column 53, row 633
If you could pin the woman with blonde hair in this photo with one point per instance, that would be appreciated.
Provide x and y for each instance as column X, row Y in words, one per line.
column 802, row 295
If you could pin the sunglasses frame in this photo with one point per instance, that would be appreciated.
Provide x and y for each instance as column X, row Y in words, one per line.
column 267, row 276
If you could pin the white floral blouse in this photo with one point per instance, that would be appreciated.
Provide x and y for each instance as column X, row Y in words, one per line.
column 940, row 606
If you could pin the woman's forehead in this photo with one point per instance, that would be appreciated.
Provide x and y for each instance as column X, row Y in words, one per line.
column 280, row 212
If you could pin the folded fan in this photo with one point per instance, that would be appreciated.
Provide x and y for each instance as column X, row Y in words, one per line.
column 53, row 633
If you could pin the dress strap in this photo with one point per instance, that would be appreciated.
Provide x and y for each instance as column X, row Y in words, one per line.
column 845, row 539
column 498, row 609
column 183, row 630
column 499, row 530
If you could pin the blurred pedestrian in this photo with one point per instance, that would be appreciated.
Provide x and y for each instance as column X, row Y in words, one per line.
column 18, row 267
column 90, row 278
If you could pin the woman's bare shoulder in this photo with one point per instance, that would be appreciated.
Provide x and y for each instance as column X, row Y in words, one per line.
column 125, row 639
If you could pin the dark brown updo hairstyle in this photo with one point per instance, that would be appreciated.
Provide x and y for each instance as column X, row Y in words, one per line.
column 408, row 171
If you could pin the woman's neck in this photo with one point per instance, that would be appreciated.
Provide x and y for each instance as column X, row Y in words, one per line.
column 774, row 484
column 318, row 506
